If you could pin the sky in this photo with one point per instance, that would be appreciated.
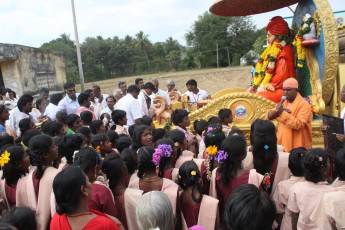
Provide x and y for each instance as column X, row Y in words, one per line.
column 34, row 22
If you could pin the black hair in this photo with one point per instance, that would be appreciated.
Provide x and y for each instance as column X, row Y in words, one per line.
column 5, row 140
column 55, row 98
column 136, row 138
column 112, row 97
column 113, row 136
column 95, row 125
column 237, row 132
column 2, row 108
column 121, row 83
column 82, row 98
column 112, row 166
column 88, row 91
column 192, row 82
column 51, row 128
column 98, row 140
column 224, row 113
column 38, row 102
column 340, row 164
column 178, row 138
column 86, row 116
column 158, row 134
column 146, row 121
column 236, row 148
column 68, row 85
column 131, row 130
column 23, row 100
column 6, row 226
column 214, row 121
column 186, row 179
column 71, row 118
column 178, row 115
column 11, row 172
column 67, row 189
column 24, row 125
column 138, row 80
column 70, row 144
column 96, row 86
column 264, row 146
column 149, row 85
column 43, row 90
column 22, row 218
column 145, row 160
column 87, row 159
column 123, row 143
column 200, row 125
column 117, row 115
column 26, row 137
column 163, row 161
column 313, row 162
column 130, row 158
column 249, row 209
column 38, row 146
column 295, row 161
column 61, row 117
column 133, row 88
column 252, row 128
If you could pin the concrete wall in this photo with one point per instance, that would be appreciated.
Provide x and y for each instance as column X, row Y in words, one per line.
column 32, row 69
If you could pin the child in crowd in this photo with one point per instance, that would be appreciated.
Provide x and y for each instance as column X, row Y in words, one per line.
column 17, row 166
column 101, row 143
column 200, row 126
column 304, row 196
column 25, row 125
column 181, row 121
column 22, row 218
column 73, row 122
column 102, row 200
column 123, row 143
column 86, row 118
column 215, row 121
column 281, row 194
column 130, row 159
column 147, row 121
column 66, row 149
column 113, row 137
column 230, row 174
column 119, row 117
column 226, row 116
column 43, row 152
column 196, row 207
column 87, row 135
column 97, row 127
column 142, row 136
column 158, row 134
column 249, row 209
column 115, row 169
column 61, row 117
column 27, row 137
column 164, row 157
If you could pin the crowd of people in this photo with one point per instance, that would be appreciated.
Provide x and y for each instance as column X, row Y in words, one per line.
column 95, row 161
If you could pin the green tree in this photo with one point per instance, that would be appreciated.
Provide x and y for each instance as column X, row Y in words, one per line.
column 260, row 41
column 143, row 43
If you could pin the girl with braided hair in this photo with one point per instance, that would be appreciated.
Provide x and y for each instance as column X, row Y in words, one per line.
column 230, row 173
column 194, row 204
column 213, row 138
column 166, row 161
column 305, row 196
column 35, row 189
column 12, row 171
column 101, row 143
column 89, row 160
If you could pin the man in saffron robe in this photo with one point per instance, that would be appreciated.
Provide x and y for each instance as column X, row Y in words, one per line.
column 284, row 67
column 294, row 116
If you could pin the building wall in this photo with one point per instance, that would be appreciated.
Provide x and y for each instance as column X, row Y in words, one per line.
column 34, row 69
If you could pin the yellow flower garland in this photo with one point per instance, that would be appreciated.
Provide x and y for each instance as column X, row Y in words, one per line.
column 265, row 67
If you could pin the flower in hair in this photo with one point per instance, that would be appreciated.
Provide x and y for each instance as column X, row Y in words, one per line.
column 179, row 177
column 212, row 150
column 98, row 148
column 193, row 173
column 161, row 151
column 221, row 156
column 101, row 143
column 266, row 147
column 209, row 129
column 5, row 158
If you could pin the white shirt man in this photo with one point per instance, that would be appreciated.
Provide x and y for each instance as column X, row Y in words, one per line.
column 16, row 116
column 129, row 104
column 194, row 98
column 104, row 102
column 69, row 105
column 51, row 111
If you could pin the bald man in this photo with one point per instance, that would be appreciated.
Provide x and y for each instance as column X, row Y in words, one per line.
column 294, row 116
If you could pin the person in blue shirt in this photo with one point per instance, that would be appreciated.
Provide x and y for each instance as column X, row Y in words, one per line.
column 253, row 70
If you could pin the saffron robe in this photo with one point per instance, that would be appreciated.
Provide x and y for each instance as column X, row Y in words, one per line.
column 44, row 206
column 294, row 129
column 100, row 222
column 284, row 69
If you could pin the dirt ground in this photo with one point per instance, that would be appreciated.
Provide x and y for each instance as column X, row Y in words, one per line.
column 211, row 80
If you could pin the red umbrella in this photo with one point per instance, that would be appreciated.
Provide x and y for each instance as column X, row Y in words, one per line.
column 247, row 7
